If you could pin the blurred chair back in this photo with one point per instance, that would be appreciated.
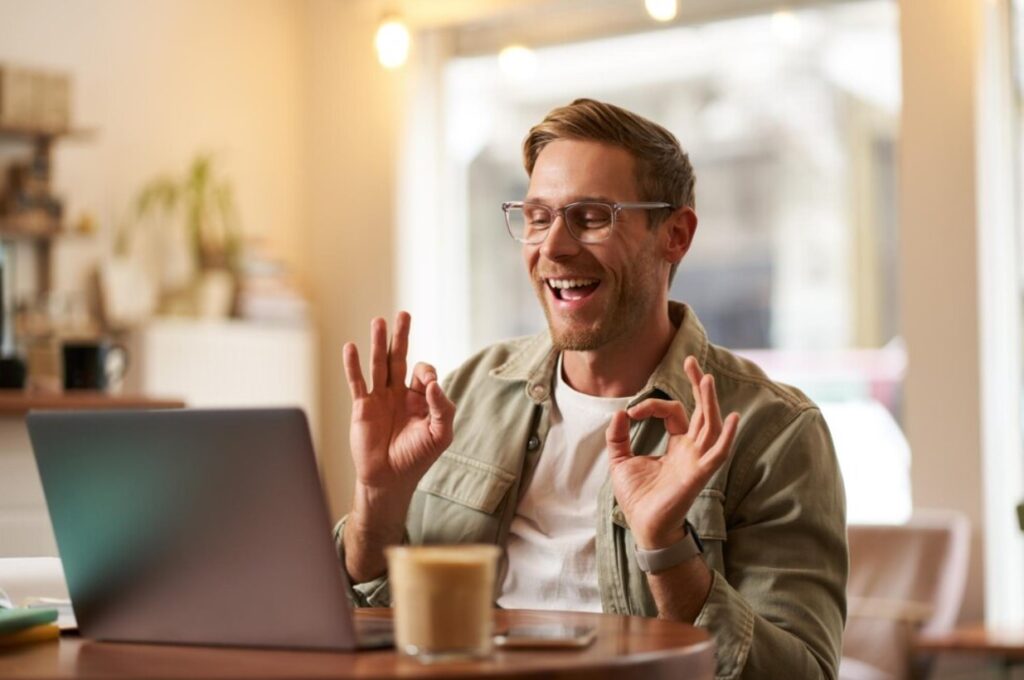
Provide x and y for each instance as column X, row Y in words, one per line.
column 904, row 579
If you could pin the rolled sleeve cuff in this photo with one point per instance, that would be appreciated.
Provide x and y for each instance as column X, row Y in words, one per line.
column 374, row 593
column 729, row 618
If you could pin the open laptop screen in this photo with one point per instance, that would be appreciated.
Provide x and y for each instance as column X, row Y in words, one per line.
column 193, row 526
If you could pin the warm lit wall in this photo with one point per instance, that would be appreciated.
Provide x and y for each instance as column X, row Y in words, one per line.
column 161, row 80
column 353, row 125
column 938, row 267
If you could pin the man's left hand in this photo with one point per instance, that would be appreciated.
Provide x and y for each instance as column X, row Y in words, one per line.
column 655, row 493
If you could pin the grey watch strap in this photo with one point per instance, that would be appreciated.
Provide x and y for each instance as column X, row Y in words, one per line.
column 652, row 561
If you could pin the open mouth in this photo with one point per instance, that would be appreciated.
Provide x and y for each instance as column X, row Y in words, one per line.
column 572, row 289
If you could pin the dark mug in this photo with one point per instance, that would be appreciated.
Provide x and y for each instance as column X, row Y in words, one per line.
column 93, row 365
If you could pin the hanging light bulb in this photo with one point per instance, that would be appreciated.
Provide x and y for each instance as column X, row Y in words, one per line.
column 517, row 62
column 392, row 42
column 787, row 26
column 662, row 10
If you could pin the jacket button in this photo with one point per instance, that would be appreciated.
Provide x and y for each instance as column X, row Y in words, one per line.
column 533, row 443
column 539, row 392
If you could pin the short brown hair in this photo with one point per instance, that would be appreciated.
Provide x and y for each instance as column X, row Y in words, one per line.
column 663, row 169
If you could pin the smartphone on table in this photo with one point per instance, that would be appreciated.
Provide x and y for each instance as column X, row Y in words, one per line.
column 547, row 636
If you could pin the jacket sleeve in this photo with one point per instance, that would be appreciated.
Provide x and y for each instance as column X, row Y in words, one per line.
column 374, row 593
column 779, row 608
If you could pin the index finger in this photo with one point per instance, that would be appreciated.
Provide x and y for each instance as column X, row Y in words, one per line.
column 670, row 411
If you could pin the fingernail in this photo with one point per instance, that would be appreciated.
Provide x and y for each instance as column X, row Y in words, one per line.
column 430, row 377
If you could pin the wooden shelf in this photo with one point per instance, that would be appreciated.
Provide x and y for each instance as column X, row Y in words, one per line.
column 35, row 132
column 19, row 402
column 29, row 229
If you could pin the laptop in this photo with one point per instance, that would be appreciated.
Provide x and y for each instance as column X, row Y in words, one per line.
column 196, row 527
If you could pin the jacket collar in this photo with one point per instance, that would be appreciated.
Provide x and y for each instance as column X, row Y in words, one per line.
column 535, row 361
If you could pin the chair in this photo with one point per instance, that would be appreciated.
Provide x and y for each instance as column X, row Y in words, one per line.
column 904, row 580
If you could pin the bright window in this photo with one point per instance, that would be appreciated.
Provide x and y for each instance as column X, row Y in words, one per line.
column 790, row 121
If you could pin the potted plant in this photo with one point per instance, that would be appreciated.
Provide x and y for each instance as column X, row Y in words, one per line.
column 199, row 242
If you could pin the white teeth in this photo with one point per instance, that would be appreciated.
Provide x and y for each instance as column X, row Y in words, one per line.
column 570, row 283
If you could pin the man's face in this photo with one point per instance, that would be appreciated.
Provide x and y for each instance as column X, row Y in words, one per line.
column 623, row 276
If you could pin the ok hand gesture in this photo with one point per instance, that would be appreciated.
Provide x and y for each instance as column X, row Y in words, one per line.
column 397, row 430
column 656, row 493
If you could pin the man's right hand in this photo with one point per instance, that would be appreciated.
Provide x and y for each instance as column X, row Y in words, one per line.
column 396, row 434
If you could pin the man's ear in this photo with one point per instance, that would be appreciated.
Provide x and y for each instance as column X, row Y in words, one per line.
column 679, row 230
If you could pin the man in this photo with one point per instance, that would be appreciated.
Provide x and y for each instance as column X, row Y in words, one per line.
column 595, row 453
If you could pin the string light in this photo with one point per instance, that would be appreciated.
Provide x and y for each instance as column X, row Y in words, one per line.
column 517, row 62
column 662, row 10
column 787, row 26
column 392, row 42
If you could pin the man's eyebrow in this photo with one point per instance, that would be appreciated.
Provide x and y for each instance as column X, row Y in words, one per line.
column 577, row 199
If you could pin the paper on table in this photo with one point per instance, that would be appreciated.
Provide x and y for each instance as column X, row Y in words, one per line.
column 65, row 614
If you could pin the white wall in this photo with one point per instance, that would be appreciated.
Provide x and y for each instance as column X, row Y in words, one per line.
column 161, row 80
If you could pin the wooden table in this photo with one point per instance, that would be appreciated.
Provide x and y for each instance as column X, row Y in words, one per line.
column 1004, row 649
column 626, row 647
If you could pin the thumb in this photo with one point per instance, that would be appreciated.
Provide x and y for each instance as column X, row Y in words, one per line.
column 617, row 437
column 442, row 413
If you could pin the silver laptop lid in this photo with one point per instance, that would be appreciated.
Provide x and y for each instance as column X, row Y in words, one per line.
column 193, row 526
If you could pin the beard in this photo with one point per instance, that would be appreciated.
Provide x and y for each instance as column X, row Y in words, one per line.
column 625, row 309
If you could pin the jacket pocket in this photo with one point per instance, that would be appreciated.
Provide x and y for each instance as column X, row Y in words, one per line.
column 707, row 515
column 467, row 481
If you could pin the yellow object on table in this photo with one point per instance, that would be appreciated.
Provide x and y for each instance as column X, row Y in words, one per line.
column 43, row 633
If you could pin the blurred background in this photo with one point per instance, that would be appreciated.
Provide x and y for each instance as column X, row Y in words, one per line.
column 219, row 194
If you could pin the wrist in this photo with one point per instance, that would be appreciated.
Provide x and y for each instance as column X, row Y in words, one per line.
column 380, row 512
column 377, row 521
column 656, row 540
column 664, row 559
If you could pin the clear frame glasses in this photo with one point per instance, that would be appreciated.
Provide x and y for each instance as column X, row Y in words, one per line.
column 588, row 221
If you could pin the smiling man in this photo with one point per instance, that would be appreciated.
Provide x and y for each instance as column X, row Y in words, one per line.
column 595, row 453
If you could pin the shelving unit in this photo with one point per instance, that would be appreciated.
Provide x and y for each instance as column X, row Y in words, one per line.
column 35, row 228
column 21, row 229
column 20, row 402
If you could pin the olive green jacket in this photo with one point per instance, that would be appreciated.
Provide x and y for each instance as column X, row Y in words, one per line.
column 772, row 519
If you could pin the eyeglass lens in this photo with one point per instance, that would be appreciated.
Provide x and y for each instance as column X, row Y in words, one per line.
column 588, row 222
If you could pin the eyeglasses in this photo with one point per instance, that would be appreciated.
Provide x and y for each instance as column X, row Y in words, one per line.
column 588, row 221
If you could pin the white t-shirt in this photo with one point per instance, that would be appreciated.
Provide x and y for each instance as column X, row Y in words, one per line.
column 551, row 552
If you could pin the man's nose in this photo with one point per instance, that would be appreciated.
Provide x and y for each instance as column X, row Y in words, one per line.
column 559, row 242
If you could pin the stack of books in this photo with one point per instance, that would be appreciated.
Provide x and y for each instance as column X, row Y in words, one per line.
column 20, row 625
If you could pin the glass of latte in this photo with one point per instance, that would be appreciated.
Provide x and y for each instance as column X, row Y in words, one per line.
column 443, row 600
